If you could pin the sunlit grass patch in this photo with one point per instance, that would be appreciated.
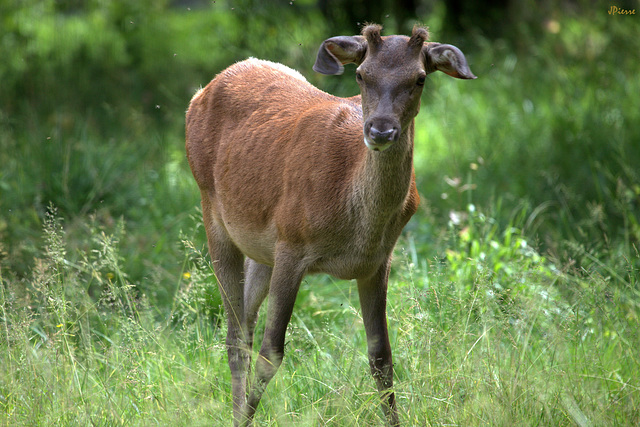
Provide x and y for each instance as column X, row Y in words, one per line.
column 490, row 333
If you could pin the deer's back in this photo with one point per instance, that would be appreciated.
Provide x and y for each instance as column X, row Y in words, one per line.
column 253, row 108
column 273, row 153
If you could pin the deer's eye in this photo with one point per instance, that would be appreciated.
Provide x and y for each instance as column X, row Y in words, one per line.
column 358, row 76
column 421, row 80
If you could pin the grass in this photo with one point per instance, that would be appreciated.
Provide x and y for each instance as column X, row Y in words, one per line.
column 483, row 337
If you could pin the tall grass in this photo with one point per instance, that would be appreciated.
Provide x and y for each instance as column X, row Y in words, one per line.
column 82, row 346
column 484, row 336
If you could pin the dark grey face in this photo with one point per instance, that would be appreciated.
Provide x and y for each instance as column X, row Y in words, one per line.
column 391, row 73
column 391, row 80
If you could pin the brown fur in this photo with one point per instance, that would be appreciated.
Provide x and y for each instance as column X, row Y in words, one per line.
column 371, row 33
column 287, row 181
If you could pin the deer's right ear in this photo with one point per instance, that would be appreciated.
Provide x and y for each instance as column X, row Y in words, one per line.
column 448, row 59
column 337, row 51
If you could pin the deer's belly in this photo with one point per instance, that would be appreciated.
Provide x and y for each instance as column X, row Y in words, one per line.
column 353, row 263
column 257, row 245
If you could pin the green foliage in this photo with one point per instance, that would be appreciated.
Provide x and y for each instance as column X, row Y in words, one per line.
column 93, row 101
column 552, row 126
column 196, row 299
column 511, row 273
column 82, row 346
column 79, row 344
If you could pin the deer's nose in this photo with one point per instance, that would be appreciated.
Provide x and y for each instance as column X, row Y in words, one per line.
column 383, row 136
column 380, row 140
column 380, row 133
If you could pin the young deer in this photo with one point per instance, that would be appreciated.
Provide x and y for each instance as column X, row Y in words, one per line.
column 298, row 181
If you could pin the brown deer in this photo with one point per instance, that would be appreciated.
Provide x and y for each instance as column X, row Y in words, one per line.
column 296, row 181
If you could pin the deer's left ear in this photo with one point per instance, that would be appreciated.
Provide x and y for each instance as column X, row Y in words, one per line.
column 446, row 58
column 338, row 51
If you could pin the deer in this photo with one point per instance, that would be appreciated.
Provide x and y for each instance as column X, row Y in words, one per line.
column 295, row 181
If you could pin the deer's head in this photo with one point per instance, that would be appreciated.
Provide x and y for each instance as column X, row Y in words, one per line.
column 391, row 73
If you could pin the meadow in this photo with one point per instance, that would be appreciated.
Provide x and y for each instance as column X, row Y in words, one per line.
column 514, row 295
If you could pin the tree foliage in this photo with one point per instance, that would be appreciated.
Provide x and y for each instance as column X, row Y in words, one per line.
column 93, row 96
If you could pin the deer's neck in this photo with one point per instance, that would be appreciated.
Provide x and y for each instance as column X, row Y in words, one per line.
column 383, row 179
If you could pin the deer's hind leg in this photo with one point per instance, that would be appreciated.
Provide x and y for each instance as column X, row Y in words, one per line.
column 228, row 262
column 286, row 276
column 256, row 287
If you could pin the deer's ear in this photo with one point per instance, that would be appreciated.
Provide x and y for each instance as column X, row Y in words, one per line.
column 448, row 59
column 335, row 52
